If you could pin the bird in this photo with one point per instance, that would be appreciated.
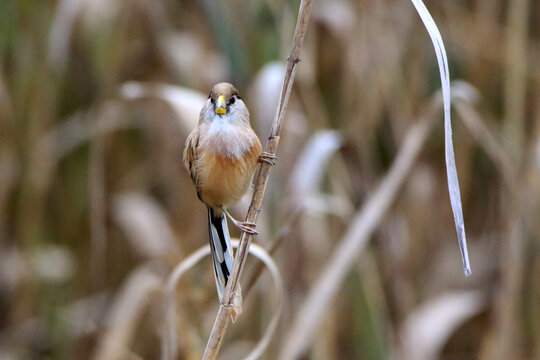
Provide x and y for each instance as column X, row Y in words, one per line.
column 221, row 155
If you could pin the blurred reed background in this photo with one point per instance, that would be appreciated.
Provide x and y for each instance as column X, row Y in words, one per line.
column 97, row 98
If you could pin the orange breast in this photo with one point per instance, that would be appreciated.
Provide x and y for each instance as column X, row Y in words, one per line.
column 223, row 180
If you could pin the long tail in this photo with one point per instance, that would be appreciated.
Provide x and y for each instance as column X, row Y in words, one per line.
column 220, row 245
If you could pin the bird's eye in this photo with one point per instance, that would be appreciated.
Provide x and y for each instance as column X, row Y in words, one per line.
column 232, row 100
column 212, row 100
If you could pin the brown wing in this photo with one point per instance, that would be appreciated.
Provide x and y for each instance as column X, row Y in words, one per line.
column 190, row 158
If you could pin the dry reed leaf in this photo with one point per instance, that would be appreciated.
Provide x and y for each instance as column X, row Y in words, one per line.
column 169, row 346
column 82, row 316
column 429, row 326
column 61, row 31
column 125, row 312
column 169, row 336
column 200, row 65
column 79, row 128
column 465, row 96
column 451, row 171
column 354, row 240
column 339, row 16
column 325, row 204
column 305, row 187
column 308, row 172
column 145, row 224
column 186, row 103
column 463, row 90
column 175, row 44
column 52, row 263
column 94, row 13
column 265, row 93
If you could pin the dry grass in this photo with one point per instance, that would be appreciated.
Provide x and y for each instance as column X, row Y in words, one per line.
column 97, row 97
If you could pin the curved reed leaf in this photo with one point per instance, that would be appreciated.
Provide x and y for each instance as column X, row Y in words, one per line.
column 169, row 346
column 451, row 172
column 429, row 326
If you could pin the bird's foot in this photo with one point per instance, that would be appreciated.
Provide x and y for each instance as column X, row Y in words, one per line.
column 268, row 158
column 245, row 226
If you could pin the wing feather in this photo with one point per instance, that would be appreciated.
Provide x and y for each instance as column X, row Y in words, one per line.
column 190, row 158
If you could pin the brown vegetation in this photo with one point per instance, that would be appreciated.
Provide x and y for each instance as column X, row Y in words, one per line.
column 96, row 209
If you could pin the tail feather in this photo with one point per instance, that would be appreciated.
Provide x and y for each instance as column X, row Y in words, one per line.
column 220, row 245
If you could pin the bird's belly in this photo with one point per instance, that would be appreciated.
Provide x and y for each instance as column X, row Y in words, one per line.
column 225, row 179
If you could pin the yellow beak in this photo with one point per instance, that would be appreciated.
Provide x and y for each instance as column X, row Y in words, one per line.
column 221, row 106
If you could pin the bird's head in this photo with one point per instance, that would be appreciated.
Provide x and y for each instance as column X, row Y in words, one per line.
column 225, row 102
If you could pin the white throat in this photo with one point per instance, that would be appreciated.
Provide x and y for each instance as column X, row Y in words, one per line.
column 227, row 136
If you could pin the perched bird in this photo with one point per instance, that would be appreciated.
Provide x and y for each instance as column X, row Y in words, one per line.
column 221, row 154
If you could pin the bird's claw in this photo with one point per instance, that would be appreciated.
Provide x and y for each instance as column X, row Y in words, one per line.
column 245, row 226
column 268, row 158
column 248, row 227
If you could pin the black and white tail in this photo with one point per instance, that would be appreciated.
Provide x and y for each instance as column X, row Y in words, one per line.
column 220, row 245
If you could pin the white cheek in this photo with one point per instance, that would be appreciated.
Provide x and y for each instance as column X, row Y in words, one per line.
column 232, row 112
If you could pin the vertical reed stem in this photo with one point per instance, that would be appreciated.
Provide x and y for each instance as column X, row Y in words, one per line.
column 226, row 309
